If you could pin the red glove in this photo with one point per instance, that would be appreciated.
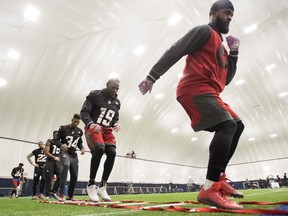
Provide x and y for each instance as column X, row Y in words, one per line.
column 145, row 86
column 95, row 128
column 233, row 43
column 116, row 127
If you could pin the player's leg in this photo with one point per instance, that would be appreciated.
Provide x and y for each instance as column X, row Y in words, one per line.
column 110, row 151
column 65, row 161
column 219, row 149
column 225, row 186
column 57, row 170
column 35, row 182
column 14, row 190
column 96, row 145
column 73, row 177
column 207, row 112
column 48, row 176
column 42, row 182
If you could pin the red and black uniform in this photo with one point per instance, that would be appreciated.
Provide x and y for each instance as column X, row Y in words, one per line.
column 100, row 108
column 72, row 137
column 208, row 69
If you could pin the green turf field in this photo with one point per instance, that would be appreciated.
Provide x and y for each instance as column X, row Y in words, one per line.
column 26, row 206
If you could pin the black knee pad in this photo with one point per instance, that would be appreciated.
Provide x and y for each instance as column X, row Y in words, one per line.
column 99, row 149
column 229, row 125
column 110, row 150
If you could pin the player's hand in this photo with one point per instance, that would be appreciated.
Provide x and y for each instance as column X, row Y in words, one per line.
column 82, row 151
column 35, row 165
column 145, row 86
column 116, row 127
column 56, row 159
column 233, row 43
column 95, row 128
column 64, row 148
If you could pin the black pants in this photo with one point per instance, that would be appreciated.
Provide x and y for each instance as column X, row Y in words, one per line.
column 69, row 163
column 222, row 147
column 52, row 168
column 38, row 175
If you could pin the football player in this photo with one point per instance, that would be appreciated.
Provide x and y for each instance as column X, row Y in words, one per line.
column 100, row 113
column 209, row 68
column 53, row 165
column 17, row 174
column 71, row 138
column 39, row 164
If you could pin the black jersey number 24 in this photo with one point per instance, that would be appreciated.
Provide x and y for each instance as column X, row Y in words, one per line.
column 105, row 117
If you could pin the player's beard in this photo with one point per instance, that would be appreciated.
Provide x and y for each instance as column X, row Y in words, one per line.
column 221, row 26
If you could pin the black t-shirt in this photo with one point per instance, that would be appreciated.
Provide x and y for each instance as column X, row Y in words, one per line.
column 17, row 172
column 100, row 109
column 71, row 137
column 55, row 146
column 40, row 157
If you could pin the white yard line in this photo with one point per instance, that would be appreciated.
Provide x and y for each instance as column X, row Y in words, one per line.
column 164, row 205
column 268, row 192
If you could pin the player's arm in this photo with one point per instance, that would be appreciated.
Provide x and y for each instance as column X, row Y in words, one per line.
column 13, row 172
column 80, row 145
column 232, row 66
column 22, row 176
column 47, row 151
column 85, row 112
column 188, row 44
column 29, row 156
column 233, row 44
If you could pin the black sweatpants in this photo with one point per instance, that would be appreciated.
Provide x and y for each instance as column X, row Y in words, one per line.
column 38, row 175
column 52, row 168
column 69, row 163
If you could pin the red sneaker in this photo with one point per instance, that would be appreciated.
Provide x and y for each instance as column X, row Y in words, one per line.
column 228, row 190
column 214, row 197
column 61, row 198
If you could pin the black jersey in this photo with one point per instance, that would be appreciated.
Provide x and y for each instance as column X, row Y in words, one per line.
column 55, row 148
column 40, row 157
column 71, row 137
column 100, row 109
column 17, row 172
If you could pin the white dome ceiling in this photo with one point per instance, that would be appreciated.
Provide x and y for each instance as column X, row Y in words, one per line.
column 75, row 46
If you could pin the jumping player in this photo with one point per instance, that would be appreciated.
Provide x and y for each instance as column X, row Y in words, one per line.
column 100, row 113
column 17, row 174
column 71, row 138
column 39, row 164
column 53, row 165
column 208, row 69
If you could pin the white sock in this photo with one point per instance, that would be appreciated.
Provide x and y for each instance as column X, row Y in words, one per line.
column 208, row 184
